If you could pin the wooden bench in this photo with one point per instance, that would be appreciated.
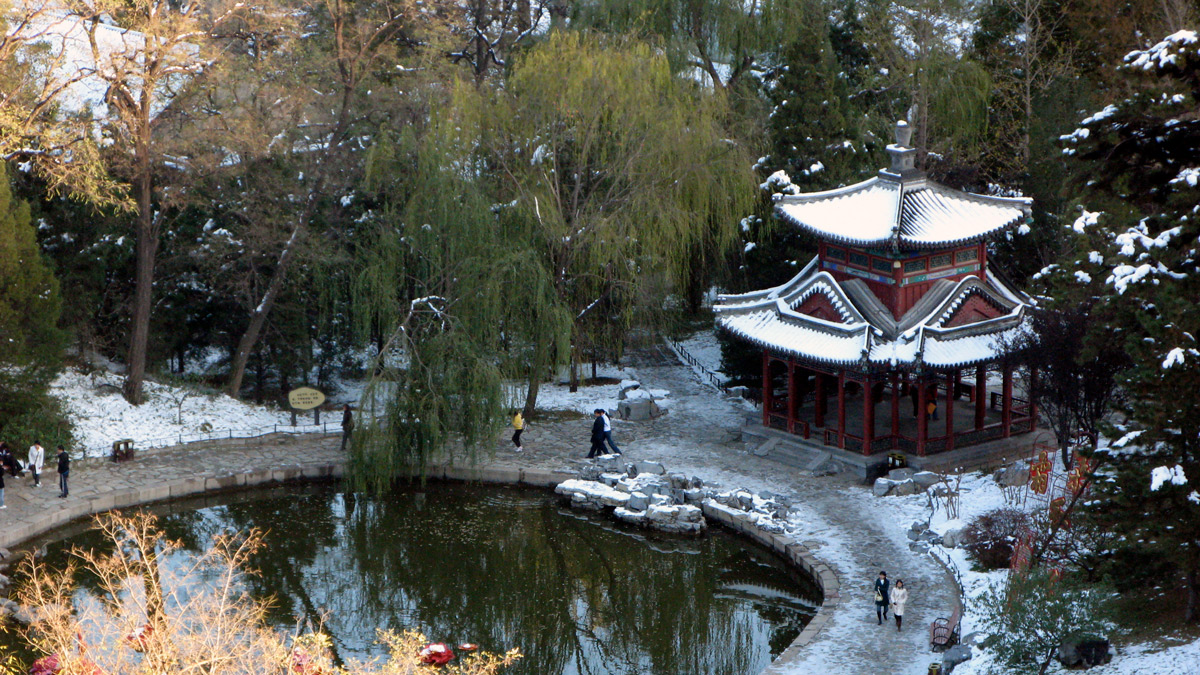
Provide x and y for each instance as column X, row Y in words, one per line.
column 943, row 630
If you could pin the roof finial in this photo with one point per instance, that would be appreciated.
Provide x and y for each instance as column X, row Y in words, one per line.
column 903, row 155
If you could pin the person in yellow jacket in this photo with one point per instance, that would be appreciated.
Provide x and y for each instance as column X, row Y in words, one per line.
column 518, row 426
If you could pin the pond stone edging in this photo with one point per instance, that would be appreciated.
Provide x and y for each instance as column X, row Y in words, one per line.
column 791, row 550
column 50, row 519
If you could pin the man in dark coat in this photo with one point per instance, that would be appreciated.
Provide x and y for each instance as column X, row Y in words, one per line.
column 64, row 470
column 597, row 434
column 347, row 425
column 882, row 593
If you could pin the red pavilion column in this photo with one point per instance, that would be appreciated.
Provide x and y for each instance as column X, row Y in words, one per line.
column 1033, row 373
column 819, row 393
column 895, row 407
column 841, row 408
column 980, row 396
column 791, row 402
column 868, row 414
column 1006, row 401
column 922, row 415
column 951, row 390
column 766, row 389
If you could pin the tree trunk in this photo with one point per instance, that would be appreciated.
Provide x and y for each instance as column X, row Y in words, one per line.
column 537, row 370
column 258, row 318
column 1192, row 613
column 147, row 246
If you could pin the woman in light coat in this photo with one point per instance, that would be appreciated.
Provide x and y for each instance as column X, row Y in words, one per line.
column 898, row 597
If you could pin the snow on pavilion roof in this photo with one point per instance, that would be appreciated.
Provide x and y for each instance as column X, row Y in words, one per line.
column 901, row 213
column 922, row 337
column 901, row 209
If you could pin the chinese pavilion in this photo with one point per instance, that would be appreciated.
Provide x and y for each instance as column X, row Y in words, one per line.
column 899, row 303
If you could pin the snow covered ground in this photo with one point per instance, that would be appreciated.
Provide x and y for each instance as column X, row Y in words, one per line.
column 981, row 494
column 170, row 415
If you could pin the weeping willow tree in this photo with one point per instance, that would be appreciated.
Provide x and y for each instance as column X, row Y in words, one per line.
column 615, row 175
column 921, row 45
column 723, row 41
column 428, row 291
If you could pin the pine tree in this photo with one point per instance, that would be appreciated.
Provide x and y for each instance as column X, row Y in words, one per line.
column 1143, row 155
column 30, row 341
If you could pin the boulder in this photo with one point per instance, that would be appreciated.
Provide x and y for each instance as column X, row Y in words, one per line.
column 678, row 481
column 1085, row 653
column 827, row 468
column 626, row 387
column 590, row 473
column 630, row 516
column 926, row 479
column 611, row 463
column 697, row 483
column 644, row 466
column 908, row 487
column 745, row 501
column 953, row 538
column 954, row 656
column 694, row 495
column 899, row 475
column 637, row 409
column 919, row 526
column 882, row 487
column 638, row 501
column 974, row 638
column 1013, row 476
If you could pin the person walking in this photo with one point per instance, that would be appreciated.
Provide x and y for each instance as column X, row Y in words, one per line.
column 518, row 423
column 64, row 470
column 882, row 589
column 37, row 457
column 347, row 425
column 597, row 434
column 8, row 462
column 608, row 433
column 2, row 504
column 899, row 597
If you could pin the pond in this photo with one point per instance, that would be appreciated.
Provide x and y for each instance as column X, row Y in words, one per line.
column 504, row 567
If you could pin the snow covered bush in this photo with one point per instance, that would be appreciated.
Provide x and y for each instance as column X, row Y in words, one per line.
column 990, row 538
column 1033, row 613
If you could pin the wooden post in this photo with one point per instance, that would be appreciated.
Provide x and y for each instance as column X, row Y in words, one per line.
column 791, row 402
column 951, row 394
column 868, row 414
column 766, row 389
column 820, row 398
column 980, row 396
column 1006, row 401
column 841, row 398
column 922, row 415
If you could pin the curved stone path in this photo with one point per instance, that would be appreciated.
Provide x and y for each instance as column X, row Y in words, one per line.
column 839, row 521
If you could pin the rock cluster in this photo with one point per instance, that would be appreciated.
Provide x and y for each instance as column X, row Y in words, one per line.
column 641, row 492
column 905, row 482
column 637, row 404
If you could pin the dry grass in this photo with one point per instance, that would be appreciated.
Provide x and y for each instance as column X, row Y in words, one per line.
column 150, row 614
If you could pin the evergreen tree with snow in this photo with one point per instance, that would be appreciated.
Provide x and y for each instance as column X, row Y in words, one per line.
column 1144, row 186
column 30, row 340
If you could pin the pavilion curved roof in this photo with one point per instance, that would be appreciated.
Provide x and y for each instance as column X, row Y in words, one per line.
column 868, row 338
column 901, row 212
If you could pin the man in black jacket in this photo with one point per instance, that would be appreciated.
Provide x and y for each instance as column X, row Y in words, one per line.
column 64, row 470
column 597, row 434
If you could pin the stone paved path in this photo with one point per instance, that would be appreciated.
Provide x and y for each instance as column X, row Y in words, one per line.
column 841, row 521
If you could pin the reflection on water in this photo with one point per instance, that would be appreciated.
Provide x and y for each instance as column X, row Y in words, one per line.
column 505, row 567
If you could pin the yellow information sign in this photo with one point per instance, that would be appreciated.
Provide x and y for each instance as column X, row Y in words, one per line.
column 305, row 398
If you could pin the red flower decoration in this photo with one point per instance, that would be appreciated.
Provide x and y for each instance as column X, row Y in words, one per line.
column 437, row 654
column 138, row 638
column 47, row 665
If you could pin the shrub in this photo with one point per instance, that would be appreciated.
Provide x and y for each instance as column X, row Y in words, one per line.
column 145, row 614
column 991, row 537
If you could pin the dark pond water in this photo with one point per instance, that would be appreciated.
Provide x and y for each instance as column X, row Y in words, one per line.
column 505, row 567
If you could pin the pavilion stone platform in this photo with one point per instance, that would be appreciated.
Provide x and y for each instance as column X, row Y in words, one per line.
column 893, row 338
